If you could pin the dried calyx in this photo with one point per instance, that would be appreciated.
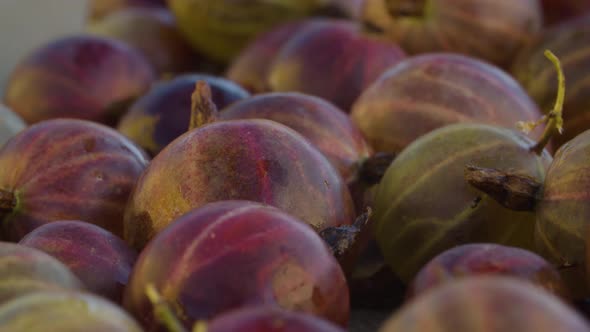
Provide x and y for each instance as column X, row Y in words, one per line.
column 346, row 242
column 514, row 191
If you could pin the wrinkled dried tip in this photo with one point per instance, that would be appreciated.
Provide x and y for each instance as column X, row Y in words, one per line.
column 203, row 109
column 7, row 202
column 373, row 169
column 343, row 241
column 514, row 191
column 162, row 311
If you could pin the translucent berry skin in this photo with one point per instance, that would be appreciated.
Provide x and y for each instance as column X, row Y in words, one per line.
column 486, row 303
column 319, row 121
column 332, row 59
column 82, row 76
column 426, row 92
column 101, row 260
column 67, row 169
column 257, row 160
column 563, row 213
column 424, row 202
column 269, row 319
column 27, row 270
column 220, row 29
column 251, row 66
column 65, row 311
column 492, row 30
column 153, row 32
column 239, row 254
column 163, row 114
column 488, row 259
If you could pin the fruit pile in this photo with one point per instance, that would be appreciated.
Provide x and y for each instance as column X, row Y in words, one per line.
column 300, row 166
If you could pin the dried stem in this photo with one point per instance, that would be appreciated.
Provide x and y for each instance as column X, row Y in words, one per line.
column 203, row 109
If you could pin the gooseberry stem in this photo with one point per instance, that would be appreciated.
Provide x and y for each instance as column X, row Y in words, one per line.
column 162, row 310
column 203, row 109
column 554, row 118
column 7, row 202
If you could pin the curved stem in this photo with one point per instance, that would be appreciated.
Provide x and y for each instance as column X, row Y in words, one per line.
column 203, row 109
column 7, row 202
column 162, row 310
column 554, row 118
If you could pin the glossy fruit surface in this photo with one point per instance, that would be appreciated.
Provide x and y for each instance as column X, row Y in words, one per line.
column 65, row 311
column 268, row 319
column 488, row 259
column 101, row 260
column 332, row 59
column 153, row 32
column 240, row 254
column 258, row 160
column 568, row 42
column 320, row 122
column 251, row 66
column 222, row 28
column 66, row 169
column 85, row 77
column 163, row 114
column 493, row 30
column 563, row 213
column 491, row 304
column 425, row 202
column 26, row 270
column 10, row 124
column 426, row 92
